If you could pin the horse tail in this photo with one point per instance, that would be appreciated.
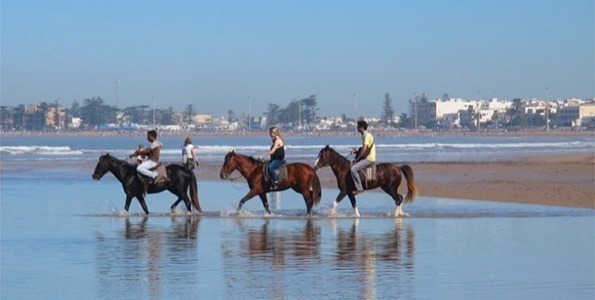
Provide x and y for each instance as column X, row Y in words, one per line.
column 316, row 191
column 194, row 192
column 411, row 188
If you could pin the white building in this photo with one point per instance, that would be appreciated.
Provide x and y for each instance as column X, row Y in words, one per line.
column 75, row 123
column 439, row 111
column 575, row 114
column 202, row 119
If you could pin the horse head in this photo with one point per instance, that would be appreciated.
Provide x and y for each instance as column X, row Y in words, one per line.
column 229, row 165
column 324, row 157
column 102, row 166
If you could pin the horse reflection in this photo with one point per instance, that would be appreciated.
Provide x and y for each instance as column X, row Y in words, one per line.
column 281, row 246
column 364, row 252
column 257, row 263
column 142, row 253
column 185, row 228
column 135, row 231
column 397, row 245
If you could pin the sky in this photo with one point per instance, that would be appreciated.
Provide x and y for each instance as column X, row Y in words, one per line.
column 243, row 55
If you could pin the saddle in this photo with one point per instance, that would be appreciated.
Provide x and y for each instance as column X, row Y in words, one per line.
column 281, row 171
column 368, row 174
column 161, row 174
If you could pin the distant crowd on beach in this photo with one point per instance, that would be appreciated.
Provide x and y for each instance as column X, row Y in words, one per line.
column 379, row 133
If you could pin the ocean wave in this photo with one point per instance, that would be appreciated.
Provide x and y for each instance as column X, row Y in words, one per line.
column 222, row 149
column 40, row 150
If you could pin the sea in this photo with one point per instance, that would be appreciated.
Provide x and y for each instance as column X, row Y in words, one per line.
column 66, row 236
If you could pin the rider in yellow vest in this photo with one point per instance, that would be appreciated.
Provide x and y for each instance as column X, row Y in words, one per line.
column 365, row 156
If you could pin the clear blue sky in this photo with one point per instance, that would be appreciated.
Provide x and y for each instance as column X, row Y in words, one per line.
column 216, row 54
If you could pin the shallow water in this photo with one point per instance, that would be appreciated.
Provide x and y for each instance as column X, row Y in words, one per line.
column 64, row 236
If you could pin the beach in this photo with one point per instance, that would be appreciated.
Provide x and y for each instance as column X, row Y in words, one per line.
column 560, row 180
column 94, row 249
column 549, row 168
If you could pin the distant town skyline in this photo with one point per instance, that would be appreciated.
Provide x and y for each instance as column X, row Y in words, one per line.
column 235, row 55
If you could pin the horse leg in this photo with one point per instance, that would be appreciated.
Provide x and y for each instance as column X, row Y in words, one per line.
column 354, row 205
column 398, row 201
column 141, row 200
column 399, row 210
column 340, row 197
column 248, row 196
column 265, row 202
column 188, row 204
column 128, row 201
column 173, row 206
column 309, row 203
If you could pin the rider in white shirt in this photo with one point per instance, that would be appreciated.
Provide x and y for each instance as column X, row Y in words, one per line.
column 189, row 158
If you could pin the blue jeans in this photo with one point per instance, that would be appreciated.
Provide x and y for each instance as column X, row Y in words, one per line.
column 273, row 165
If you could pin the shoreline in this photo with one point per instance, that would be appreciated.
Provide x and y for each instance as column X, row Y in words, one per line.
column 566, row 180
column 550, row 179
column 557, row 180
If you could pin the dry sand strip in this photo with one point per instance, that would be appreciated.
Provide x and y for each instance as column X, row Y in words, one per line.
column 560, row 180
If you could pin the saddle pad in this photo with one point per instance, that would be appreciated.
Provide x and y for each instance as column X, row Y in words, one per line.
column 368, row 174
column 281, row 172
column 161, row 174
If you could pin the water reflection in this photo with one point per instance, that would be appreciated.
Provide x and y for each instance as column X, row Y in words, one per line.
column 143, row 257
column 277, row 258
column 386, row 259
column 283, row 247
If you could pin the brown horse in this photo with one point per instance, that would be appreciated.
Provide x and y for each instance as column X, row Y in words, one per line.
column 388, row 177
column 300, row 177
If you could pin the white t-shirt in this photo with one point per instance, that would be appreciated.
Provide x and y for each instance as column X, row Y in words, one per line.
column 187, row 152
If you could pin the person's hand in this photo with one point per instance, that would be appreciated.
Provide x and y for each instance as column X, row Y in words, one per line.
column 352, row 152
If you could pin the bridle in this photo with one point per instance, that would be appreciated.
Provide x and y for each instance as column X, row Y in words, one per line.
column 230, row 169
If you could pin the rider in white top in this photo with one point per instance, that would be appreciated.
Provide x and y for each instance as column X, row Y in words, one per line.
column 152, row 152
column 189, row 157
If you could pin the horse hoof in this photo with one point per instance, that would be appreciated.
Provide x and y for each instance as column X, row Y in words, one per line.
column 402, row 215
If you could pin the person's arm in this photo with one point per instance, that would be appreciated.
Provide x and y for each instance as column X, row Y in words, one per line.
column 145, row 151
column 194, row 154
column 367, row 143
column 361, row 153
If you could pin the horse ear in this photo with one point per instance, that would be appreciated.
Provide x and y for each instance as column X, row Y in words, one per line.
column 327, row 146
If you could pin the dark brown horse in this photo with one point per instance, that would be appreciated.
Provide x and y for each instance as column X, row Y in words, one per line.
column 300, row 177
column 182, row 181
column 388, row 177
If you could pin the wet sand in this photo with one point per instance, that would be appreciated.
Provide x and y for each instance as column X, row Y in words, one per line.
column 560, row 180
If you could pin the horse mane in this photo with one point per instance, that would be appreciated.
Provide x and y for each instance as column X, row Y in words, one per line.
column 250, row 158
column 337, row 155
column 120, row 162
